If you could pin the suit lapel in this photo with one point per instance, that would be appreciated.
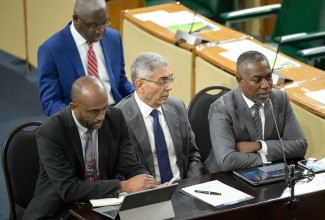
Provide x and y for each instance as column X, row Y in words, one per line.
column 244, row 114
column 269, row 122
column 72, row 51
column 104, row 135
column 141, row 135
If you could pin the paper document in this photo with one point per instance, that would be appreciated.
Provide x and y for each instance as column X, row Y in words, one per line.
column 181, row 20
column 319, row 96
column 236, row 48
column 108, row 201
column 228, row 195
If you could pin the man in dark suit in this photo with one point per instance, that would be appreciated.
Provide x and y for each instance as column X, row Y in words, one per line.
column 63, row 154
column 63, row 58
column 237, row 141
column 152, row 80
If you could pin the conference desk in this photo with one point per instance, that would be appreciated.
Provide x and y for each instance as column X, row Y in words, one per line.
column 266, row 204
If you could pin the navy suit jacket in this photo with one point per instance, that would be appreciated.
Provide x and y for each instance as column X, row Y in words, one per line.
column 59, row 65
column 61, row 180
column 231, row 121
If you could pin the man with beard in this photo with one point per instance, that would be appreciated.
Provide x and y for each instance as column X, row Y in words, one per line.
column 82, row 148
column 158, row 124
column 243, row 132
column 86, row 46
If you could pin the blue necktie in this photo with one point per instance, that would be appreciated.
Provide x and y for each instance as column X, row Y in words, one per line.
column 90, row 158
column 161, row 149
column 257, row 120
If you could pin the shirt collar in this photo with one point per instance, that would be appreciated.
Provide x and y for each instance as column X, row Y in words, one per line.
column 81, row 129
column 249, row 102
column 78, row 38
column 144, row 108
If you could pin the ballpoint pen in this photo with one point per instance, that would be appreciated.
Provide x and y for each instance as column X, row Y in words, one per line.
column 207, row 192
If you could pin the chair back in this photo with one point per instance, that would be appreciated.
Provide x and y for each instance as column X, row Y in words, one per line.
column 20, row 163
column 198, row 111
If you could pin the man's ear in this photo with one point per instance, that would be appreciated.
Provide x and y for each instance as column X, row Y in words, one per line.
column 138, row 84
column 239, row 80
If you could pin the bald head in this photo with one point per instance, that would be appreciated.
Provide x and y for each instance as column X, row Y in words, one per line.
column 84, row 8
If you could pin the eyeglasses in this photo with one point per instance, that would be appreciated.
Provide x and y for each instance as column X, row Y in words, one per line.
column 93, row 29
column 162, row 83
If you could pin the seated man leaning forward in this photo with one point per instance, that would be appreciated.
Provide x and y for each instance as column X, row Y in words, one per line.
column 158, row 124
column 82, row 148
column 241, row 139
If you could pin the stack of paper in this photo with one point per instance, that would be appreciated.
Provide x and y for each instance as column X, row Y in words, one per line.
column 108, row 201
column 228, row 195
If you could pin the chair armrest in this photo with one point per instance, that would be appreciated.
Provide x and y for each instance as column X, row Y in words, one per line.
column 312, row 52
column 251, row 13
column 294, row 38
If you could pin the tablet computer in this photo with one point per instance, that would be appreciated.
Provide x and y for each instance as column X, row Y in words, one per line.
column 317, row 166
column 262, row 174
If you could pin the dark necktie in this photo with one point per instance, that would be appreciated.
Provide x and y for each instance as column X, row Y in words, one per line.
column 90, row 158
column 257, row 120
column 161, row 149
column 92, row 61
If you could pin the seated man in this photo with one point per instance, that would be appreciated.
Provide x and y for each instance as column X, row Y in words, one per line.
column 240, row 138
column 81, row 149
column 158, row 125
column 86, row 46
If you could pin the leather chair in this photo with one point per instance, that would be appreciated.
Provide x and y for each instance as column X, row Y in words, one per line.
column 20, row 163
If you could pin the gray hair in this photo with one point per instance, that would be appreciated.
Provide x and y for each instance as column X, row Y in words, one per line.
column 145, row 64
column 248, row 57
column 86, row 7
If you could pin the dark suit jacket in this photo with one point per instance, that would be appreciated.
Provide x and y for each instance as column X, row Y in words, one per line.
column 59, row 65
column 187, row 154
column 61, row 180
column 231, row 121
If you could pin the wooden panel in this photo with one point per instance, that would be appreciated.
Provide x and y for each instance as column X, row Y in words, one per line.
column 268, row 24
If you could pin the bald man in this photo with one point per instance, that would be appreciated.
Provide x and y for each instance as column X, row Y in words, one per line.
column 63, row 178
column 63, row 58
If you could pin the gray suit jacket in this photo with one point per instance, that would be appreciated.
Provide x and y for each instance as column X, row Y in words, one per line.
column 187, row 154
column 231, row 121
column 61, row 181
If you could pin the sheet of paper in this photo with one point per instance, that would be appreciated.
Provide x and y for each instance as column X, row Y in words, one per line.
column 238, row 47
column 108, row 201
column 228, row 195
column 181, row 20
column 319, row 96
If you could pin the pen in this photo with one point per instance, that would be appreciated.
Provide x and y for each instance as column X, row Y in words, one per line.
column 207, row 192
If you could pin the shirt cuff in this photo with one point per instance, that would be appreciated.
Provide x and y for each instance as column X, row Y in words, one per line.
column 263, row 153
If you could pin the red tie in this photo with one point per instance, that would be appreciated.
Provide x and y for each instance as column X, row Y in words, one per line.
column 92, row 62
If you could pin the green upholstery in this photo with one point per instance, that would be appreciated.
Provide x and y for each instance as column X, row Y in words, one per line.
column 208, row 8
column 304, row 26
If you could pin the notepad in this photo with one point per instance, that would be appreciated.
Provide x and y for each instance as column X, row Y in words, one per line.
column 229, row 195
column 108, row 201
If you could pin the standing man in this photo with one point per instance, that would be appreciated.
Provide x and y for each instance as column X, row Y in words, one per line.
column 86, row 46
column 81, row 149
column 158, row 125
column 243, row 132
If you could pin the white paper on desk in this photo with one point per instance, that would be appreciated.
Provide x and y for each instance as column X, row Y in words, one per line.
column 238, row 47
column 228, row 195
column 108, row 201
column 319, row 96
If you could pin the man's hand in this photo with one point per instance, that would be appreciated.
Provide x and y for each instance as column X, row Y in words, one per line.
column 138, row 183
column 248, row 147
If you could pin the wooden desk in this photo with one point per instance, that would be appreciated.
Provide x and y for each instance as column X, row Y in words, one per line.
column 267, row 203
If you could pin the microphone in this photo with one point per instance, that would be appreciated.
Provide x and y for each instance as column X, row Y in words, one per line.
column 187, row 37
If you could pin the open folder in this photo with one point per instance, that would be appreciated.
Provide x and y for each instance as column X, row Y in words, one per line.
column 228, row 195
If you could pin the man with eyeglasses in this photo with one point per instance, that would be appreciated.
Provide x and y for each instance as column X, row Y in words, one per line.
column 158, row 124
column 86, row 46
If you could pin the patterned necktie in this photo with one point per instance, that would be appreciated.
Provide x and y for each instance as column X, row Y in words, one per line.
column 257, row 120
column 161, row 149
column 90, row 158
column 92, row 61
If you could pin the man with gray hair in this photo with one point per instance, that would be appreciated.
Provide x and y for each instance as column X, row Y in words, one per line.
column 158, row 124
column 86, row 46
column 242, row 128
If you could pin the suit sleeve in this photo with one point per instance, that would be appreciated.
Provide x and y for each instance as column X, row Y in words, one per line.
column 50, row 92
column 293, row 139
column 223, row 142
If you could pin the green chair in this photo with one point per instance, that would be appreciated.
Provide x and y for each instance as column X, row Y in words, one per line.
column 304, row 26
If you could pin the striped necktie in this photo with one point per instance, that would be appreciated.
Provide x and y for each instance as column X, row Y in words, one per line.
column 92, row 61
column 257, row 120
column 161, row 149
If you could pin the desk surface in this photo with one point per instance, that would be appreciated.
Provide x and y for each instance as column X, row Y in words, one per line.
column 267, row 203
